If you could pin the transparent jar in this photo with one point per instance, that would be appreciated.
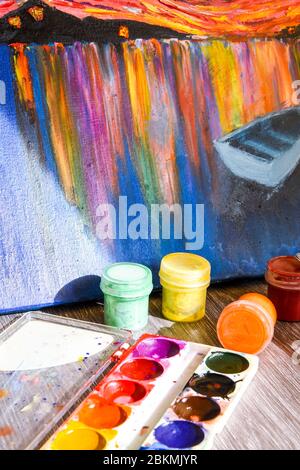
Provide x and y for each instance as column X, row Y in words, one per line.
column 185, row 278
column 283, row 278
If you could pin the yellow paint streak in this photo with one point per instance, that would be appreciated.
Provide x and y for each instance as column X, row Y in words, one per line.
column 22, row 71
column 138, row 88
column 61, row 126
column 227, row 84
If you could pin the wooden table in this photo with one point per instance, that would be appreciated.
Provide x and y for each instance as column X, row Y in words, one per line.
column 268, row 417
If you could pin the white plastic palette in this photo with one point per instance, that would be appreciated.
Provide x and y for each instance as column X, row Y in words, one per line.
column 142, row 386
column 155, row 381
column 46, row 364
column 205, row 404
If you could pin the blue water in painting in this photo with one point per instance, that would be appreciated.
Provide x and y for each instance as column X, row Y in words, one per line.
column 46, row 254
column 49, row 255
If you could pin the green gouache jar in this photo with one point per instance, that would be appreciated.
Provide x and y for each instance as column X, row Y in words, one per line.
column 126, row 288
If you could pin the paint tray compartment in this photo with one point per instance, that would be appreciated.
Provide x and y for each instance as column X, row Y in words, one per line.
column 47, row 363
column 204, row 405
column 131, row 399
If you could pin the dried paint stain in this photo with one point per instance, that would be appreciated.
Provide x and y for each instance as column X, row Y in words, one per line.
column 3, row 393
column 5, row 431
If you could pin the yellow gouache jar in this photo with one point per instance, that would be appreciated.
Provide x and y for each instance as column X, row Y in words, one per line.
column 185, row 278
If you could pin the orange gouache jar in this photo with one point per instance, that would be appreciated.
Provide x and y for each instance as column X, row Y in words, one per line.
column 247, row 325
column 283, row 278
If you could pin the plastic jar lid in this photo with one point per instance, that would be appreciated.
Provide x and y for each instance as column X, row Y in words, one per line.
column 245, row 326
column 284, row 272
column 262, row 300
column 184, row 270
column 130, row 280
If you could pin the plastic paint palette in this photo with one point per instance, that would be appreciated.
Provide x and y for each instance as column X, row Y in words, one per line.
column 204, row 405
column 129, row 402
column 47, row 363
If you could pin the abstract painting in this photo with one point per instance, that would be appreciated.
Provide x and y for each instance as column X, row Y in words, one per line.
column 188, row 102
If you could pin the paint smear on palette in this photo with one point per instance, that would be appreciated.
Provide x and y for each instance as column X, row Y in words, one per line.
column 3, row 393
column 35, row 401
column 5, row 431
column 53, row 345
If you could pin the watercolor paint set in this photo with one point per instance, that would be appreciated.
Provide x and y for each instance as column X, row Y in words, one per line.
column 189, row 389
column 203, row 407
column 48, row 363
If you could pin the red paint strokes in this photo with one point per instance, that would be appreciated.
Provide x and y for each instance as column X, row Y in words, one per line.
column 142, row 369
column 212, row 18
column 23, row 78
column 98, row 413
column 124, row 391
column 18, row 46
column 5, row 431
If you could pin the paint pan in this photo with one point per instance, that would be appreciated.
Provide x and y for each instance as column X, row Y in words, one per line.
column 128, row 403
column 46, row 364
column 204, row 405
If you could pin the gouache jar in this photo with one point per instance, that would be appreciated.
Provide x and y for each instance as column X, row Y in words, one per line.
column 283, row 278
column 247, row 325
column 126, row 288
column 185, row 278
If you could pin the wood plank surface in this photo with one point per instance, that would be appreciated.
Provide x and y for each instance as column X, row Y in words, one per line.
column 268, row 417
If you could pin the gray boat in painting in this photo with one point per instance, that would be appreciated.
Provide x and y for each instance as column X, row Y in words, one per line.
column 267, row 150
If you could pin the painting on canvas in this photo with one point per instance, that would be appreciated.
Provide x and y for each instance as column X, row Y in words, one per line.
column 112, row 108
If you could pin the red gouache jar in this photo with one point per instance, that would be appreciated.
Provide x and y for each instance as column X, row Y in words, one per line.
column 283, row 278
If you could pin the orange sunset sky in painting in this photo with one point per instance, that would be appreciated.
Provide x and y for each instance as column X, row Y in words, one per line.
column 200, row 17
